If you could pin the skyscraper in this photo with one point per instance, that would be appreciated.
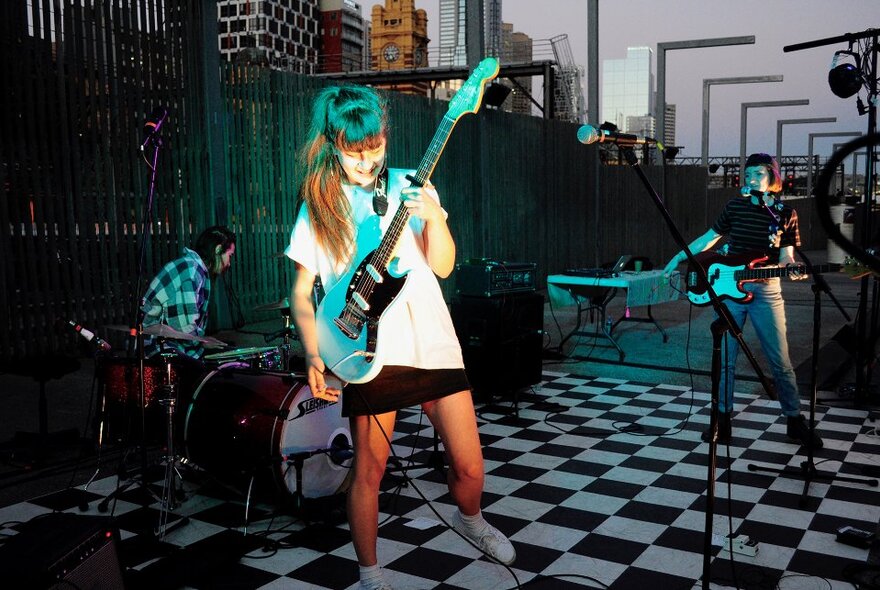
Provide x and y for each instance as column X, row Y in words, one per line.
column 453, row 31
column 628, row 92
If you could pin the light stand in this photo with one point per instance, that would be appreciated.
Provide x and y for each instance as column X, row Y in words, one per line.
column 864, row 346
column 807, row 470
column 724, row 323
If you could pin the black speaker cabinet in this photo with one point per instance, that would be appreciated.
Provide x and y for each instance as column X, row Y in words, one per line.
column 501, row 339
column 61, row 551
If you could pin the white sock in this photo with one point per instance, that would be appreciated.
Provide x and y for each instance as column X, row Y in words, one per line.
column 474, row 524
column 370, row 575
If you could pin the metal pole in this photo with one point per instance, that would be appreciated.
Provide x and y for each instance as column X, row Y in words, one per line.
column 662, row 48
column 782, row 122
column 743, row 125
column 707, row 83
column 810, row 153
column 593, row 117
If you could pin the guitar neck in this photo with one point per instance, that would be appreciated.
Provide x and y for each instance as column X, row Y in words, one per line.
column 754, row 274
column 382, row 255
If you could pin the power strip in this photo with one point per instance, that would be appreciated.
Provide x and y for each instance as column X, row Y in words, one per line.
column 742, row 545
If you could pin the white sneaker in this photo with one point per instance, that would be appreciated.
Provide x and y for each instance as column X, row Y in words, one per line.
column 382, row 585
column 490, row 540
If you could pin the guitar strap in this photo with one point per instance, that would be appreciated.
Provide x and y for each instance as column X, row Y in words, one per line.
column 380, row 193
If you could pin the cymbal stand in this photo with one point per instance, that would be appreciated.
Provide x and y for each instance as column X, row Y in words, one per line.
column 168, row 500
column 285, row 346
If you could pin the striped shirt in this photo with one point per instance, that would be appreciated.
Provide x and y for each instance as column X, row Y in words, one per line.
column 178, row 296
column 752, row 228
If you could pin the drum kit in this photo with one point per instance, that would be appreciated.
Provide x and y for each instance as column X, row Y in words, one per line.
column 242, row 416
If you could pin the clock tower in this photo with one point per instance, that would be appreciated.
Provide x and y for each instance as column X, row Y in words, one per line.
column 399, row 40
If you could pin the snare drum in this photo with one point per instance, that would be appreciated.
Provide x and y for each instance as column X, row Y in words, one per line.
column 265, row 358
column 243, row 422
column 121, row 385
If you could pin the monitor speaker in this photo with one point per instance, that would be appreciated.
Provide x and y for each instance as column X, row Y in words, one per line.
column 501, row 340
column 61, row 551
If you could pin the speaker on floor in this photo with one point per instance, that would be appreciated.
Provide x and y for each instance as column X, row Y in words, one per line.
column 61, row 551
column 501, row 339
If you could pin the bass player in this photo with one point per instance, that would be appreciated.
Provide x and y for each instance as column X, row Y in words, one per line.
column 766, row 226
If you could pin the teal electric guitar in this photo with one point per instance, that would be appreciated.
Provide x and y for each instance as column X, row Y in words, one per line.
column 349, row 318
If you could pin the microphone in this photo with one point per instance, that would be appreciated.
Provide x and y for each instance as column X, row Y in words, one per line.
column 282, row 332
column 89, row 335
column 750, row 192
column 588, row 134
column 154, row 123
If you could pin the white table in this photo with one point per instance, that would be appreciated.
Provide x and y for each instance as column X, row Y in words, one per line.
column 643, row 289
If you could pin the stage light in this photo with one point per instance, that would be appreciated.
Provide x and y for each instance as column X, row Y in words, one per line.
column 845, row 79
column 495, row 95
column 713, row 168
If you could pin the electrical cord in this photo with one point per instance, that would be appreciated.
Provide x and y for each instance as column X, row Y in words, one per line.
column 424, row 498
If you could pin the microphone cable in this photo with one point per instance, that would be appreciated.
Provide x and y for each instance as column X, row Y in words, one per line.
column 411, row 482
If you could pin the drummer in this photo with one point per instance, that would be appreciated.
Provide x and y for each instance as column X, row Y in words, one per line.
column 178, row 295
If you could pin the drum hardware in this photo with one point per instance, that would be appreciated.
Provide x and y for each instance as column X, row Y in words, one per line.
column 287, row 331
column 282, row 304
column 338, row 452
column 246, row 426
column 161, row 388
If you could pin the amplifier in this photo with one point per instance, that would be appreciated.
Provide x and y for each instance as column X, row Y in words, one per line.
column 61, row 551
column 483, row 277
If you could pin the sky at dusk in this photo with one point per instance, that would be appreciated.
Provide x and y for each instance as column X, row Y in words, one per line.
column 774, row 23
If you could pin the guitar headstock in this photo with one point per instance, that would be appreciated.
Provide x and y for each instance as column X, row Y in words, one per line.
column 467, row 99
column 855, row 269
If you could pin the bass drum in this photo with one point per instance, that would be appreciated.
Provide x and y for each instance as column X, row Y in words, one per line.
column 243, row 423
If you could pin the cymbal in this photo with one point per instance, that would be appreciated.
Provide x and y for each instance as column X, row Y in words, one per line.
column 166, row 331
column 280, row 304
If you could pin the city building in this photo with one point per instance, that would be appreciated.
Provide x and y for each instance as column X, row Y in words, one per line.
column 628, row 92
column 669, row 125
column 279, row 33
column 399, row 39
column 344, row 38
column 516, row 47
column 454, row 23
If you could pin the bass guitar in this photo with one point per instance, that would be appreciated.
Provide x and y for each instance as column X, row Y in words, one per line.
column 727, row 274
column 350, row 335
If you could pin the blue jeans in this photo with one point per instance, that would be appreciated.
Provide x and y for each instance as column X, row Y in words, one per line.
column 767, row 311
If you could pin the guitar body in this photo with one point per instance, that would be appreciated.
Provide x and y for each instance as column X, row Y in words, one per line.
column 727, row 274
column 722, row 274
column 348, row 335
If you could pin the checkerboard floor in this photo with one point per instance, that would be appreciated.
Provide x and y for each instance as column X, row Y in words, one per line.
column 597, row 482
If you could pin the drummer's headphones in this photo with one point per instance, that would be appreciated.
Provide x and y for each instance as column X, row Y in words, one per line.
column 845, row 79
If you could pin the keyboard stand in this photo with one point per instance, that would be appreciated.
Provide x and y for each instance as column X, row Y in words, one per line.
column 649, row 318
column 605, row 330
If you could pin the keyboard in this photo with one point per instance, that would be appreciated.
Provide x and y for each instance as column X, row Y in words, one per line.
column 593, row 273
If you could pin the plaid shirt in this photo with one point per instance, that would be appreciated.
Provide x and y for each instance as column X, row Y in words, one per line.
column 178, row 296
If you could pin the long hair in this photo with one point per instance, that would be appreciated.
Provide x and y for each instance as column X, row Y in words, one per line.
column 344, row 118
column 772, row 166
column 207, row 242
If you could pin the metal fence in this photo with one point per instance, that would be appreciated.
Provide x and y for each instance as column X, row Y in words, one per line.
column 81, row 79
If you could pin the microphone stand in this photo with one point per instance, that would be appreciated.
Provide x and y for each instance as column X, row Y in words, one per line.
column 722, row 324
column 137, row 333
column 807, row 470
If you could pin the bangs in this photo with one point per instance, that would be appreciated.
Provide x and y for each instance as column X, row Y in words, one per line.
column 356, row 125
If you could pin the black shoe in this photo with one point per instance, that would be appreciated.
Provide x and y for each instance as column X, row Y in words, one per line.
column 798, row 429
column 725, row 430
